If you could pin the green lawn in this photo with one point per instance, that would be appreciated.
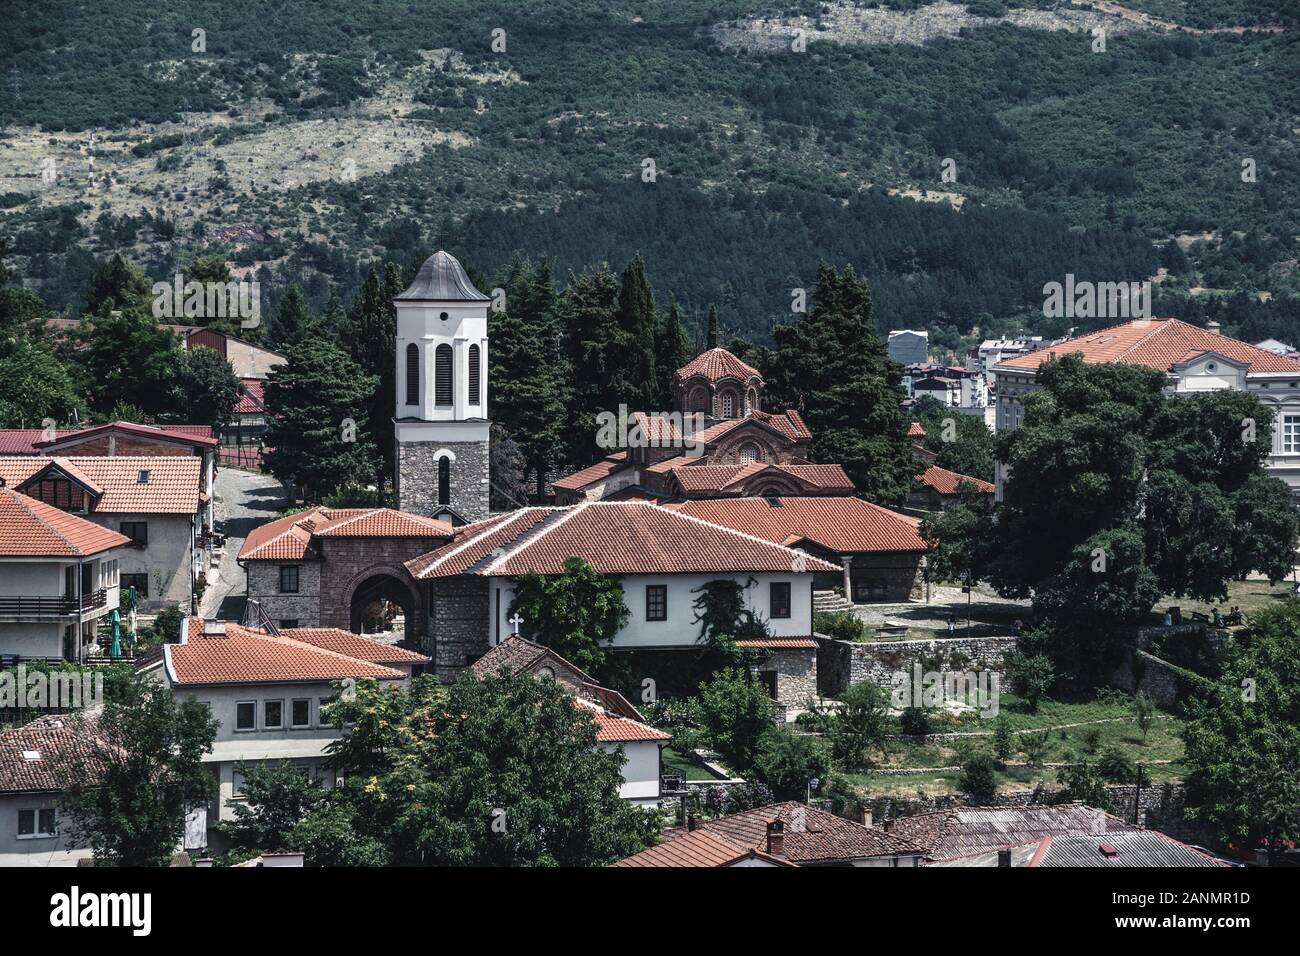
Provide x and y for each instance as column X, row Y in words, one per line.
column 687, row 766
column 1250, row 596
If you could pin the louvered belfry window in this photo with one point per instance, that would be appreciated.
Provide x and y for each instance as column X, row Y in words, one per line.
column 412, row 374
column 442, row 368
column 473, row 374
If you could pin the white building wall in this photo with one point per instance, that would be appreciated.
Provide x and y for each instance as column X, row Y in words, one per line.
column 34, row 851
column 167, row 558
column 641, row 770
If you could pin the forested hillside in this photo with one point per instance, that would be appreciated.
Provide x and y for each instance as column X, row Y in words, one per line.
column 306, row 140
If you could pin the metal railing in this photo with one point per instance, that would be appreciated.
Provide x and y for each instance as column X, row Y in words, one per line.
column 51, row 606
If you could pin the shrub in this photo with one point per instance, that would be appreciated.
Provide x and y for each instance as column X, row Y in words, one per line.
column 1033, row 743
column 1090, row 740
column 1003, row 745
column 1031, row 676
column 979, row 778
column 1144, row 712
column 914, row 720
column 786, row 762
column 841, row 625
column 1085, row 784
column 747, row 796
column 1116, row 766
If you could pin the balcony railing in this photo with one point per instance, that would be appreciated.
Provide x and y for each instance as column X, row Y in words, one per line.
column 50, row 606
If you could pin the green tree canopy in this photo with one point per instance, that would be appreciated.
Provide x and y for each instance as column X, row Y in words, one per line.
column 576, row 613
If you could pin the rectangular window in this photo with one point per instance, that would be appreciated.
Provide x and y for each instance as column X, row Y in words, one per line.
column 245, row 715
column 656, row 602
column 1291, row 434
column 36, row 823
column 779, row 605
column 138, row 581
column 287, row 623
column 288, row 579
column 137, row 531
column 272, row 714
column 300, row 712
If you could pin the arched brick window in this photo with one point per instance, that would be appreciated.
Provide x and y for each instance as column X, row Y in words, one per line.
column 700, row 400
column 751, row 401
column 444, row 480
column 728, row 404
column 442, row 380
column 413, row 374
column 473, row 374
column 749, row 453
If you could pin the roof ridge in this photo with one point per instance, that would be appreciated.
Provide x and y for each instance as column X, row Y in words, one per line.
column 718, row 527
column 325, row 652
column 549, row 525
column 480, row 535
column 22, row 502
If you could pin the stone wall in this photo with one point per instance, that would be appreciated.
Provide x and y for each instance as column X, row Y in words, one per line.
column 842, row 663
column 458, row 623
column 796, row 675
column 417, row 478
column 349, row 563
column 303, row 607
column 1165, row 683
column 888, row 576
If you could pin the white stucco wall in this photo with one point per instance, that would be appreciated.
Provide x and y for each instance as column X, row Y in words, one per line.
column 33, row 851
column 640, row 770
column 166, row 559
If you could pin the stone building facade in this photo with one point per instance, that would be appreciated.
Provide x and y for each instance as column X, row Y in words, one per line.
column 458, row 624
column 418, row 478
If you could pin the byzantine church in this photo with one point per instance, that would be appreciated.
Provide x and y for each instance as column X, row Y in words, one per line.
column 738, row 451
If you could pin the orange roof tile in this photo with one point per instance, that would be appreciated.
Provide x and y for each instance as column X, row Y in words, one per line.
column 715, row 365
column 843, row 525
column 1156, row 343
column 353, row 645
column 946, row 482
column 290, row 538
column 184, row 434
column 811, row 835
column 612, row 729
column 172, row 486
column 584, row 477
column 781, row 643
column 696, row 848
column 915, row 430
column 242, row 656
column 31, row 528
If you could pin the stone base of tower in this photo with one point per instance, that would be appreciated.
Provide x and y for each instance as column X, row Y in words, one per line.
column 418, row 471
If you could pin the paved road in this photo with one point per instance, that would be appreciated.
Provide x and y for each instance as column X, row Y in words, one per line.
column 244, row 501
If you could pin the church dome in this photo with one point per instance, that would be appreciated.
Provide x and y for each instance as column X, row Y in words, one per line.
column 442, row 279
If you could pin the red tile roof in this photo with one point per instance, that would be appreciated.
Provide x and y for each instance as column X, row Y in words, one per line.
column 353, row 645
column 811, row 835
column 843, row 525
column 186, row 434
column 715, row 365
column 173, row 485
column 964, row 831
column 1156, row 343
column 625, row 537
column 245, row 656
column 613, row 729
column 946, row 482
column 701, row 478
column 31, row 528
column 251, row 401
column 601, row 469
column 781, row 643
column 44, row 756
column 915, row 430
column 290, row 538
column 697, row 848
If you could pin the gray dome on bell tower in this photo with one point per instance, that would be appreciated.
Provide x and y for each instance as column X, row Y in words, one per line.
column 442, row 279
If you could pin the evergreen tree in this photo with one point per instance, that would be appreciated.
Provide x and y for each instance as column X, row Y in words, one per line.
column 292, row 320
column 117, row 284
column 587, row 312
column 635, row 375
column 714, row 333
column 317, row 403
column 832, row 367
column 209, row 388
column 370, row 337
column 672, row 351
column 130, row 358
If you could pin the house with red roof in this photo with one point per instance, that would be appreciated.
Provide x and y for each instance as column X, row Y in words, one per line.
column 59, row 577
column 619, row 725
column 266, row 688
column 718, row 442
column 156, row 501
column 1193, row 359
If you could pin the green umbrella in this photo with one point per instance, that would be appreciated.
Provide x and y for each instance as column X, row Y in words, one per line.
column 115, row 651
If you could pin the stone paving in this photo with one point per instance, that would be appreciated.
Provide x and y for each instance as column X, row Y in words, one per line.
column 244, row 501
column 991, row 615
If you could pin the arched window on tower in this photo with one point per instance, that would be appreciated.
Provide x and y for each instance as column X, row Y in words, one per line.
column 751, row 401
column 700, row 400
column 413, row 374
column 442, row 375
column 728, row 404
column 473, row 374
column 444, row 480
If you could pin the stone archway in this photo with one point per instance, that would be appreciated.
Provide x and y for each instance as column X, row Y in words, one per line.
column 373, row 596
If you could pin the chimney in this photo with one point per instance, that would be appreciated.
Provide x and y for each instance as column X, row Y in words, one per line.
column 1213, row 326
column 775, row 837
column 889, row 824
column 692, row 821
column 1004, row 857
column 866, row 816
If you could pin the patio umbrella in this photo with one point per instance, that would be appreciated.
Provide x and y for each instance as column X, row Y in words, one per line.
column 115, row 651
column 130, row 601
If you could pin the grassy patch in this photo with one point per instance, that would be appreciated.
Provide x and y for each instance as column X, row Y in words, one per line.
column 1250, row 596
column 687, row 766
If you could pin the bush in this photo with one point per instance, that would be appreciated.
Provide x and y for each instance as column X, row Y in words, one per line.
column 1003, row 745
column 786, row 762
column 1033, row 743
column 1116, row 766
column 1090, row 740
column 736, row 714
column 857, row 730
column 747, row 796
column 1031, row 676
column 979, row 778
column 914, row 721
column 841, row 625
column 1085, row 784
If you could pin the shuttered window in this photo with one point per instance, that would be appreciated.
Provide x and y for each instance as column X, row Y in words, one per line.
column 442, row 368
column 412, row 374
column 473, row 374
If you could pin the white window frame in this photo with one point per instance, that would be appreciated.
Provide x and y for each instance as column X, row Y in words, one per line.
column 245, row 730
column 1290, row 430
column 265, row 703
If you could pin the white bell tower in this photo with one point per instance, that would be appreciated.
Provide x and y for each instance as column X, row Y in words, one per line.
column 440, row 417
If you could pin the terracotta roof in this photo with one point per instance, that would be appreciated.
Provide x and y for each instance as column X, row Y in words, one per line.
column 715, row 365
column 789, row 421
column 516, row 654
column 964, row 831
column 251, row 401
column 244, row 656
column 20, row 441
column 781, row 643
column 625, row 537
column 1156, row 343
column 172, row 486
column 613, row 729
column 353, row 645
column 43, row 756
column 915, row 430
column 946, row 482
column 31, row 528
column 185, row 434
column 580, row 479
column 843, row 525
column 697, row 848
column 290, row 538
column 699, row 478
column 811, row 835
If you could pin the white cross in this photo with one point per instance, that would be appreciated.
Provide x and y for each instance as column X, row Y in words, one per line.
column 516, row 621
